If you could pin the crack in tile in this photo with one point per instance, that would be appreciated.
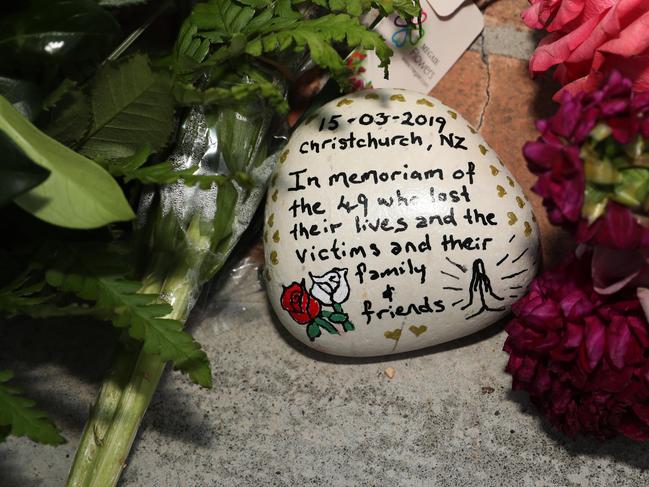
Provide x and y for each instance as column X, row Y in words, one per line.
column 484, row 56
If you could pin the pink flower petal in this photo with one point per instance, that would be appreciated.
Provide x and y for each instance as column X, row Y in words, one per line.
column 618, row 337
column 595, row 340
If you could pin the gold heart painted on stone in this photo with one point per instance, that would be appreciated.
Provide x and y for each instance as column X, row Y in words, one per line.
column 423, row 101
column 528, row 229
column 501, row 191
column 393, row 335
column 483, row 149
column 274, row 195
column 273, row 257
column 271, row 220
column 520, row 202
column 276, row 236
column 397, row 98
column 273, row 180
column 265, row 236
column 512, row 218
column 494, row 170
column 452, row 113
column 511, row 182
column 473, row 131
column 418, row 330
column 284, row 155
column 344, row 101
column 371, row 96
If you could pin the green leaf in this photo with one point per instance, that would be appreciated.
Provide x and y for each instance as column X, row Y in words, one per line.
column 21, row 297
column 259, row 28
column 166, row 173
column 352, row 7
column 232, row 95
column 226, row 204
column 45, row 33
column 328, row 327
column 318, row 35
column 18, row 416
column 142, row 314
column 131, row 106
column 405, row 9
column 71, row 118
column 313, row 331
column 132, row 168
column 18, row 173
column 78, row 193
column 338, row 317
column 223, row 18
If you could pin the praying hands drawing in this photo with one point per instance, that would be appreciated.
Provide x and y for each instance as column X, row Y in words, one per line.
column 481, row 285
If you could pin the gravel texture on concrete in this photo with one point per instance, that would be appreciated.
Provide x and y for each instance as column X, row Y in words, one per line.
column 280, row 414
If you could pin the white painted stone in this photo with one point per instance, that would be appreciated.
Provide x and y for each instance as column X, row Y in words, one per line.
column 343, row 222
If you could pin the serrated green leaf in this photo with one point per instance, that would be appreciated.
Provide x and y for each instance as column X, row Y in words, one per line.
column 318, row 35
column 260, row 29
column 405, row 9
column 78, row 193
column 232, row 95
column 131, row 106
column 224, row 18
column 352, row 7
column 19, row 417
column 71, row 118
column 142, row 314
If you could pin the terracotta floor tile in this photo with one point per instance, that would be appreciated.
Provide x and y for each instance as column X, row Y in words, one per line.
column 506, row 12
column 464, row 87
column 515, row 102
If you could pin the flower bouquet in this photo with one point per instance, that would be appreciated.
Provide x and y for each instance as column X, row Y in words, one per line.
column 579, row 340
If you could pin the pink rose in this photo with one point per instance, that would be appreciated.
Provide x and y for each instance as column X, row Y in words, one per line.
column 562, row 15
column 589, row 39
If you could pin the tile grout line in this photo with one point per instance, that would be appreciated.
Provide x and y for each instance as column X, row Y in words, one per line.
column 484, row 56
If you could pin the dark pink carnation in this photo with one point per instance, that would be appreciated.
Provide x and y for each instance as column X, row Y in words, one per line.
column 581, row 356
column 556, row 158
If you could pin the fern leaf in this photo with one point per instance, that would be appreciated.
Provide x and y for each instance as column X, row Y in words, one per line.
column 19, row 417
column 143, row 315
column 318, row 35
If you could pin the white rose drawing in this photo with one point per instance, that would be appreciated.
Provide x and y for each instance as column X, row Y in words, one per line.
column 331, row 288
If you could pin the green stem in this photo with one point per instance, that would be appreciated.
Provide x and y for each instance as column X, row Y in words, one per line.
column 102, row 415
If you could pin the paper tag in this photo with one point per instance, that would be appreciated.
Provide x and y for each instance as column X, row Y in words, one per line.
column 444, row 8
column 420, row 65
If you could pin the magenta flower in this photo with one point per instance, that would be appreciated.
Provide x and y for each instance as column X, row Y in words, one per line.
column 592, row 163
column 582, row 357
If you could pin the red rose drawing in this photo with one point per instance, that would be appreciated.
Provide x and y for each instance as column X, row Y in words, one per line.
column 302, row 307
